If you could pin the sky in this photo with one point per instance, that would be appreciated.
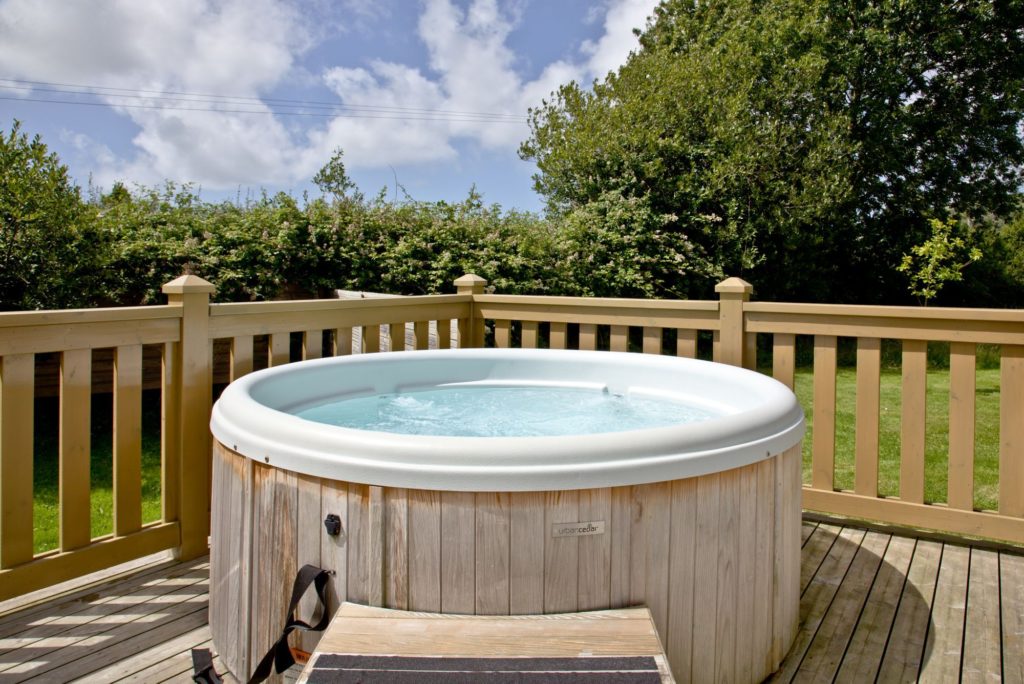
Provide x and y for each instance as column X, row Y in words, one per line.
column 241, row 96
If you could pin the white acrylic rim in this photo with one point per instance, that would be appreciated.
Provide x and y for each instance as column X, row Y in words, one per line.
column 762, row 419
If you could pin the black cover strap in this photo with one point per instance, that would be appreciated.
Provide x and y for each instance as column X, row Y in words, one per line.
column 279, row 654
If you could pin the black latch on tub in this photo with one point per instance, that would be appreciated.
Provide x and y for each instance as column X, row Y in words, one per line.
column 332, row 523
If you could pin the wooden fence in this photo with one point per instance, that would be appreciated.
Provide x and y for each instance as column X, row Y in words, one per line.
column 182, row 335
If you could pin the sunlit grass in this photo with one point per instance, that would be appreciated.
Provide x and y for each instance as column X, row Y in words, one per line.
column 46, row 515
column 986, row 456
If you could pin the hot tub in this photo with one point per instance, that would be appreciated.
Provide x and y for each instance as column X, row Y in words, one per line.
column 700, row 521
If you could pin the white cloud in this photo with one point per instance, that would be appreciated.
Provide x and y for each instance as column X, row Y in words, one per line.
column 611, row 51
column 250, row 47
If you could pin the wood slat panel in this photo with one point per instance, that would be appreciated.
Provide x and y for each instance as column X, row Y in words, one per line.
column 869, row 359
column 763, row 626
column 588, row 336
column 1011, row 431
column 170, row 434
column 529, row 335
column 526, row 564
column 678, row 638
column 913, row 420
column 444, row 333
column 358, row 543
column 75, row 403
column 748, row 638
column 241, row 356
column 396, row 337
column 784, row 358
column 728, row 577
column 396, row 548
column 312, row 344
column 127, row 440
column 493, row 529
column 376, row 523
column 17, row 375
column 502, row 334
column 619, row 529
column 658, row 520
column 561, row 554
column 686, row 343
column 705, row 588
column 279, row 350
column 558, row 335
column 308, row 550
column 619, row 338
column 424, row 550
column 652, row 340
column 824, row 435
column 458, row 552
column 421, row 334
column 371, row 339
column 334, row 549
column 961, row 425
column 595, row 550
column 343, row 341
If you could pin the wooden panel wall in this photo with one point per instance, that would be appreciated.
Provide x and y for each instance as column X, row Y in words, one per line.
column 716, row 558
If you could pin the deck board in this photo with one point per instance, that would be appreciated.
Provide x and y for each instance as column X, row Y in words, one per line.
column 873, row 605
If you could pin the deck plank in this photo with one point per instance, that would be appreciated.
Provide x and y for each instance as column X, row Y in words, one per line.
column 872, row 605
column 982, row 647
column 826, row 650
column 944, row 647
column 863, row 656
column 1011, row 582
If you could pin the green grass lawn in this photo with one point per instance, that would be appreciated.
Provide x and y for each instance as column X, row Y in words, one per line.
column 45, row 472
column 986, row 456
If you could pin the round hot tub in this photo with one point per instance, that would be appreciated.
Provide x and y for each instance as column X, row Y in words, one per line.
column 515, row 482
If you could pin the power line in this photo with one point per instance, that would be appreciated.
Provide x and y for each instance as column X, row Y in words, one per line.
column 172, row 101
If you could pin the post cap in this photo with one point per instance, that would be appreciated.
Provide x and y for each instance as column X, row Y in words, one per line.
column 189, row 284
column 470, row 283
column 734, row 286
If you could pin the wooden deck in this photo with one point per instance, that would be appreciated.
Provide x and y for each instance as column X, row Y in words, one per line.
column 874, row 607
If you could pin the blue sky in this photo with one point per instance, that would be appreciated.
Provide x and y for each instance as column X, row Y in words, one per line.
column 236, row 96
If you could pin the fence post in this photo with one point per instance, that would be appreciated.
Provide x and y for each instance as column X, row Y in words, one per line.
column 471, row 329
column 193, row 380
column 732, row 292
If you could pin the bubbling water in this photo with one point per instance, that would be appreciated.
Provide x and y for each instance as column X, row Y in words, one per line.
column 483, row 411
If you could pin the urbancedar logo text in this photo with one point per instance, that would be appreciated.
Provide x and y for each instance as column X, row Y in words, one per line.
column 577, row 529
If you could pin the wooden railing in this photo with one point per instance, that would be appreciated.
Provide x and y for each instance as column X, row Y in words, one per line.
column 189, row 329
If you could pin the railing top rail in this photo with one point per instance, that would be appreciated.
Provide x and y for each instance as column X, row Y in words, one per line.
column 17, row 319
column 325, row 305
column 871, row 311
column 600, row 302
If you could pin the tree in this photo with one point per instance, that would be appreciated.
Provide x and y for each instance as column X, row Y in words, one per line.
column 332, row 179
column 48, row 249
column 799, row 143
column 938, row 260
